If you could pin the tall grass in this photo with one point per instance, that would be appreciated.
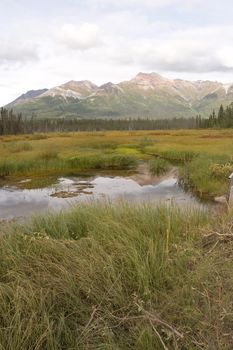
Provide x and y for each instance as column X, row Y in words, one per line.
column 158, row 166
column 207, row 175
column 49, row 161
column 113, row 277
column 113, row 161
column 177, row 156
column 8, row 168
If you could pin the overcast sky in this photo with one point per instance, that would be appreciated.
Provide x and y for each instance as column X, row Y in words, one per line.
column 49, row 42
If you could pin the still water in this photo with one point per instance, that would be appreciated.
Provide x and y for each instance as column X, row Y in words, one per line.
column 16, row 202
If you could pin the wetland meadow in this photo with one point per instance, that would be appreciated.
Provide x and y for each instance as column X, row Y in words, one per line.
column 127, row 247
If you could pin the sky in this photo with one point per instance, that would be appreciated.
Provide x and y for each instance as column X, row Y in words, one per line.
column 49, row 42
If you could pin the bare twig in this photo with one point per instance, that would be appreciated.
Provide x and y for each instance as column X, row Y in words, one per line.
column 159, row 336
column 155, row 319
column 96, row 308
column 90, row 320
column 149, row 317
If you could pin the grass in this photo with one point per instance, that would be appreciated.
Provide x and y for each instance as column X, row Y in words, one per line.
column 158, row 166
column 46, row 154
column 49, row 154
column 179, row 156
column 103, row 162
column 48, row 162
column 117, row 277
column 208, row 175
column 19, row 147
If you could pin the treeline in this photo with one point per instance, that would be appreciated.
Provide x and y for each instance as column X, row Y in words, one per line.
column 11, row 123
column 222, row 119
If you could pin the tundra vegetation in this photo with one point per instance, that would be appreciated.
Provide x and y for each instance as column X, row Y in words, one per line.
column 204, row 158
column 119, row 276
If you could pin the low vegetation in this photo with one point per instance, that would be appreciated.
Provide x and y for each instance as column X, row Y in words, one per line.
column 103, row 162
column 49, row 162
column 204, row 167
column 207, row 175
column 158, row 166
column 117, row 277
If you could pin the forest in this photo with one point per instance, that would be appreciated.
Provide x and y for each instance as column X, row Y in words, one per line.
column 223, row 119
column 13, row 124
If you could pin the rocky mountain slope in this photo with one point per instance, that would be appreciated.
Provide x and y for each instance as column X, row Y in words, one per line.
column 144, row 96
column 28, row 96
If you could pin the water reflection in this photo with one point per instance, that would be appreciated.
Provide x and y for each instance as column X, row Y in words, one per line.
column 16, row 202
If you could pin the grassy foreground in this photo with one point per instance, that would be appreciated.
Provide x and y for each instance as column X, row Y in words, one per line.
column 117, row 277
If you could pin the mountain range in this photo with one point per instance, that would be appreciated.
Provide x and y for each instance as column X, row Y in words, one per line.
column 148, row 95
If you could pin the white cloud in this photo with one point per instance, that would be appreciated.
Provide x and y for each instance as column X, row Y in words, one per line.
column 191, row 51
column 118, row 38
column 15, row 51
column 143, row 3
column 82, row 37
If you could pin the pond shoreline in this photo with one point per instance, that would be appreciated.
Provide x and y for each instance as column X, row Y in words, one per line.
column 144, row 177
column 71, row 191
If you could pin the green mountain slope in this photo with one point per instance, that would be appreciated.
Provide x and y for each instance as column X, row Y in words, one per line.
column 145, row 96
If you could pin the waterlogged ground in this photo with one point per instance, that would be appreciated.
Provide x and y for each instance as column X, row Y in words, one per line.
column 17, row 201
column 31, row 167
column 204, row 157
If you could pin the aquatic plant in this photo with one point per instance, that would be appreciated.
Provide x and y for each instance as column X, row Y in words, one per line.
column 111, row 161
column 158, row 166
column 56, row 153
column 178, row 156
column 200, row 176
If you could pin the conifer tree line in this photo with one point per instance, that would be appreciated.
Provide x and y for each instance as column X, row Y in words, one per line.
column 13, row 124
column 10, row 123
column 222, row 119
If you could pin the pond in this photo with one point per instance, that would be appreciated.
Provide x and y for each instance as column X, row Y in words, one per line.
column 16, row 202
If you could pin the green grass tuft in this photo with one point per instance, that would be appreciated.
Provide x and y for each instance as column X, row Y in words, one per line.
column 202, row 175
column 158, row 166
column 115, row 277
